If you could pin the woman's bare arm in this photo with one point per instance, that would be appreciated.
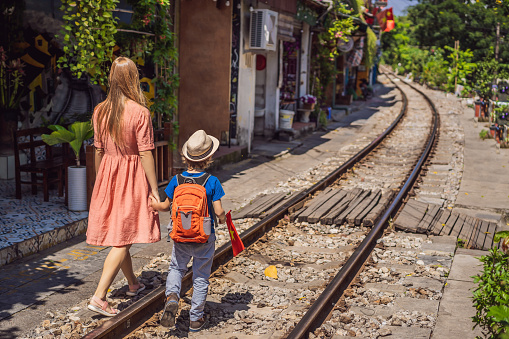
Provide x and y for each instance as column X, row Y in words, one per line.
column 147, row 161
column 99, row 153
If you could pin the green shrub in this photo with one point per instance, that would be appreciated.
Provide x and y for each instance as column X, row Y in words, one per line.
column 492, row 295
column 484, row 134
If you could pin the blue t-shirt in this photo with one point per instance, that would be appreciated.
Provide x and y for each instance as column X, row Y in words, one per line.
column 212, row 187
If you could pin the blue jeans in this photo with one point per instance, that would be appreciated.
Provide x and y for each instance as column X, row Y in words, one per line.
column 202, row 255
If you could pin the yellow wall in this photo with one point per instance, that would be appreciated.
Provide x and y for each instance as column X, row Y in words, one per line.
column 361, row 75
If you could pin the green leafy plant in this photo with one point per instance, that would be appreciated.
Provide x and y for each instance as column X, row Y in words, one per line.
column 322, row 118
column 460, row 66
column 492, row 294
column 484, row 134
column 336, row 27
column 11, row 81
column 155, row 16
column 75, row 135
column 88, row 38
column 486, row 73
column 370, row 50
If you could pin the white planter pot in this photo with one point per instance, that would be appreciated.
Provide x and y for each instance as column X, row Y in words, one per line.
column 304, row 115
column 77, row 190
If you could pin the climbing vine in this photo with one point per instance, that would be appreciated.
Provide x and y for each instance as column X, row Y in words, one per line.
column 155, row 16
column 88, row 38
column 337, row 26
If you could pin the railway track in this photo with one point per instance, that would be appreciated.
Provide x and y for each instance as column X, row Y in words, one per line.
column 306, row 255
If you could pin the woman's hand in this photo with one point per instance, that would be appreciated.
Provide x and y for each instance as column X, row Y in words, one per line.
column 155, row 195
column 158, row 205
column 155, row 203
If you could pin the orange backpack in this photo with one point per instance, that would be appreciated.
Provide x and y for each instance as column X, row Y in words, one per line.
column 189, row 213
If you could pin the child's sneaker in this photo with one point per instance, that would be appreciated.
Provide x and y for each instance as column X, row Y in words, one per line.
column 170, row 310
column 196, row 326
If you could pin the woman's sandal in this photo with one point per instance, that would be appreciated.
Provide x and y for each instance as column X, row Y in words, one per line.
column 102, row 308
column 134, row 290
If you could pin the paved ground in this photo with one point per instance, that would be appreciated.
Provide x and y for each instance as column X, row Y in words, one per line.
column 455, row 310
column 484, row 187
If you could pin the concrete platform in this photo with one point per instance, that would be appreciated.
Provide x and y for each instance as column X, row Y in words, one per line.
column 456, row 307
column 484, row 185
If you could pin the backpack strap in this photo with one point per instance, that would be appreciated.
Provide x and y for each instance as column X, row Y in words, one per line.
column 201, row 180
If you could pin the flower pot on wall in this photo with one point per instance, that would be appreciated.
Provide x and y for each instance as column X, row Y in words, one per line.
column 477, row 108
column 77, row 181
column 308, row 106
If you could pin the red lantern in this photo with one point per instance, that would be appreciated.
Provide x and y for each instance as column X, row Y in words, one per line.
column 261, row 62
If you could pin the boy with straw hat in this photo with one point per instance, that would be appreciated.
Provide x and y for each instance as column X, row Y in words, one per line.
column 192, row 227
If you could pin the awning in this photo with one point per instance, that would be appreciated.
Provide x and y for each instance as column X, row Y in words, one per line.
column 317, row 4
column 285, row 28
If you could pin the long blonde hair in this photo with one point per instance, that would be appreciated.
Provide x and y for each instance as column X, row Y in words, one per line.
column 124, row 84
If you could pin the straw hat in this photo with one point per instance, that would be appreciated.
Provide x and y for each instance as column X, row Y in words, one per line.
column 200, row 146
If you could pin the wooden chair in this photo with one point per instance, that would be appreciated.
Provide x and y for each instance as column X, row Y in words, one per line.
column 36, row 168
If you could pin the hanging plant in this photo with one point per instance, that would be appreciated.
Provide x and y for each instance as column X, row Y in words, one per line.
column 88, row 38
column 370, row 49
column 337, row 29
column 155, row 16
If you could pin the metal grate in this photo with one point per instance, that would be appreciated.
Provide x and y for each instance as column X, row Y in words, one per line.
column 256, row 29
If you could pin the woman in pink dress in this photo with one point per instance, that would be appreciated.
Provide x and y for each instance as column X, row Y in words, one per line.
column 120, row 212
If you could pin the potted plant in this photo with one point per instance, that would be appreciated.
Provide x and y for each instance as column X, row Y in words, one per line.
column 308, row 101
column 77, row 175
column 11, row 92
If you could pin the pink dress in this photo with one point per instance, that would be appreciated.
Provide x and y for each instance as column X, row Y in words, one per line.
column 120, row 212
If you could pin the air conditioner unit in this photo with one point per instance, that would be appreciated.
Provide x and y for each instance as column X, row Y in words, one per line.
column 263, row 32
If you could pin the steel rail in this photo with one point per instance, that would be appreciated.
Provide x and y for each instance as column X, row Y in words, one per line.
column 325, row 303
column 132, row 317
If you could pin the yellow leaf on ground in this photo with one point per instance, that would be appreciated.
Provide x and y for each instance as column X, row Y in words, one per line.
column 434, row 172
column 466, row 193
column 271, row 272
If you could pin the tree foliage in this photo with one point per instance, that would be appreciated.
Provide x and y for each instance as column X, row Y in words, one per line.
column 438, row 67
column 438, row 23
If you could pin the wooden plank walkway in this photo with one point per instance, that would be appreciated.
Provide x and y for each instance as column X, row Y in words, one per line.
column 330, row 206
column 419, row 217
column 334, row 206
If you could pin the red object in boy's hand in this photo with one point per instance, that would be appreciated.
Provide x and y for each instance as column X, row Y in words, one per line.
column 237, row 244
